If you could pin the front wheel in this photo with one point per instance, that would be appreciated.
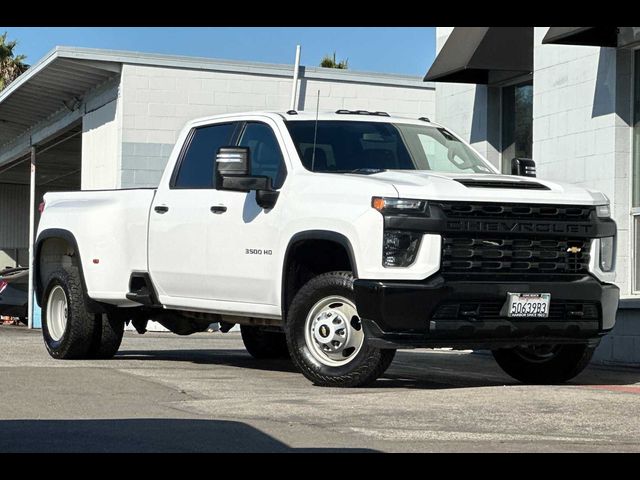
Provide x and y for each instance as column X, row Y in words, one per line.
column 544, row 364
column 326, row 338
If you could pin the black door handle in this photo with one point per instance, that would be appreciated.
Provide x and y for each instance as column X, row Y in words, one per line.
column 218, row 209
column 161, row 209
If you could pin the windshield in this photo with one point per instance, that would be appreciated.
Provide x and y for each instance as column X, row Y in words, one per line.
column 346, row 146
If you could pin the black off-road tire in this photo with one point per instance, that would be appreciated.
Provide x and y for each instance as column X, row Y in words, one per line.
column 368, row 364
column 107, row 336
column 78, row 335
column 263, row 344
column 567, row 362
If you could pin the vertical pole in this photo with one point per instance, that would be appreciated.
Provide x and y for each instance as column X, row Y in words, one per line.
column 294, row 87
column 32, row 212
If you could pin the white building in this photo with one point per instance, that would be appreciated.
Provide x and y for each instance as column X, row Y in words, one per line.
column 98, row 119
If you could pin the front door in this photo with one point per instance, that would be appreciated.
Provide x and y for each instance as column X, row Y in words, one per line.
column 243, row 263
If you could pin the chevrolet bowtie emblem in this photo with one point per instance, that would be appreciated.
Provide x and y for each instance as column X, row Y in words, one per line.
column 574, row 249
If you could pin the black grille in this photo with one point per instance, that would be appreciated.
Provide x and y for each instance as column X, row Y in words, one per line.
column 491, row 310
column 469, row 255
column 501, row 184
column 515, row 211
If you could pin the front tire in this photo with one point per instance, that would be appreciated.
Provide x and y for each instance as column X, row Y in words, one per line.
column 326, row 338
column 67, row 327
column 262, row 344
column 544, row 364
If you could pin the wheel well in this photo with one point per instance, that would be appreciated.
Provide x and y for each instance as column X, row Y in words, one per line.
column 52, row 253
column 308, row 258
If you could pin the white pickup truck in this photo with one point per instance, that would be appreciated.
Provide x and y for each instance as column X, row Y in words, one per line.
column 334, row 238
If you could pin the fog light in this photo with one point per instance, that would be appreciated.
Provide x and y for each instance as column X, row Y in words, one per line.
column 607, row 246
column 400, row 248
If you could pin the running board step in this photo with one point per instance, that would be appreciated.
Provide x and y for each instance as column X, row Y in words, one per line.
column 139, row 297
column 141, row 290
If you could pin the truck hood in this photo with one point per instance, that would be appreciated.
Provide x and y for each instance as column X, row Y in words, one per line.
column 444, row 186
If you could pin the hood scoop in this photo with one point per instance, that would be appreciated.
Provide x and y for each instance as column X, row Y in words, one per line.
column 473, row 183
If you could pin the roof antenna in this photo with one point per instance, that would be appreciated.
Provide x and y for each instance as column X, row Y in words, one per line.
column 315, row 135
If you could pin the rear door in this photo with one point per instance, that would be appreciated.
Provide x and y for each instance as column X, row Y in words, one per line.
column 181, row 215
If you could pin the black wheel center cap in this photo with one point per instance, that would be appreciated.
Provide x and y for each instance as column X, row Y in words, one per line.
column 324, row 331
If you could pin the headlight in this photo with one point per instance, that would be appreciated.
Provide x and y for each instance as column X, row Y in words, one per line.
column 607, row 248
column 399, row 205
column 400, row 248
column 603, row 211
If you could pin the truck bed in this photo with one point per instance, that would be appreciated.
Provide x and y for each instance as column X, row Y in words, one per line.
column 110, row 229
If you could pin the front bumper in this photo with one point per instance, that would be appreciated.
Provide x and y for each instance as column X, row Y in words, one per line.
column 462, row 314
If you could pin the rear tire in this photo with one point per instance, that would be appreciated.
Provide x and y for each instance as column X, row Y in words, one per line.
column 326, row 338
column 262, row 344
column 545, row 364
column 107, row 336
column 67, row 327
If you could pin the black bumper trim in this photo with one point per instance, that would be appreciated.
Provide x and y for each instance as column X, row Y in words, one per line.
column 400, row 312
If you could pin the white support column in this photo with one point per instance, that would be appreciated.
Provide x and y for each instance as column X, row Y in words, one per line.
column 294, row 87
column 32, row 223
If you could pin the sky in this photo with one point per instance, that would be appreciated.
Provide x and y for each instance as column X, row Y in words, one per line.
column 402, row 50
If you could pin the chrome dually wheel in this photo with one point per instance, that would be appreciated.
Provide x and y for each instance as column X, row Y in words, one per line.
column 333, row 331
column 326, row 337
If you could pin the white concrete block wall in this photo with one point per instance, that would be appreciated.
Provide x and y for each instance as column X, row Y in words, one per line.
column 401, row 101
column 101, row 150
column 581, row 102
column 158, row 101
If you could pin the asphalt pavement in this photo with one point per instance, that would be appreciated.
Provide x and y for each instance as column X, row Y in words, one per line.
column 204, row 393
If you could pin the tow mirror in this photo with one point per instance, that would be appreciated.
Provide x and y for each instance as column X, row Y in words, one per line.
column 233, row 161
column 233, row 172
column 525, row 167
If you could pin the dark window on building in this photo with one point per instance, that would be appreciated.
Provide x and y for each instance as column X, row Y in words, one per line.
column 196, row 166
column 636, row 168
column 266, row 156
column 636, row 132
column 517, row 123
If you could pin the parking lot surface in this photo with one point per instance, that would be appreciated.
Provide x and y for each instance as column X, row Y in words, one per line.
column 205, row 393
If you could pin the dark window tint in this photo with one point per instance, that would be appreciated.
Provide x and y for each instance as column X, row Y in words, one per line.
column 266, row 156
column 196, row 168
column 517, row 123
column 346, row 146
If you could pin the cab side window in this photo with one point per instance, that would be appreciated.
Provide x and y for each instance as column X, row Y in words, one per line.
column 196, row 165
column 266, row 156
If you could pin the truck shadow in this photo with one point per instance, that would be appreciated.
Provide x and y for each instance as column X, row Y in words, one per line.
column 427, row 370
column 229, row 358
column 142, row 435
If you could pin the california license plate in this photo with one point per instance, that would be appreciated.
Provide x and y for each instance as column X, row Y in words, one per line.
column 528, row 305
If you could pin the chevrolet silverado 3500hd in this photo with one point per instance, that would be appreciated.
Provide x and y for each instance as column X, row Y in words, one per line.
column 335, row 238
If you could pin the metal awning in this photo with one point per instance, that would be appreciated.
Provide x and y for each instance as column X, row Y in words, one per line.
column 53, row 83
column 594, row 36
column 485, row 55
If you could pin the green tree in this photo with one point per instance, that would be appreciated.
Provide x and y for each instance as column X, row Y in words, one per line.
column 11, row 65
column 330, row 62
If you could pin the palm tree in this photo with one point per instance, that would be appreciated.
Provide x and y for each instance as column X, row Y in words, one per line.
column 330, row 62
column 11, row 65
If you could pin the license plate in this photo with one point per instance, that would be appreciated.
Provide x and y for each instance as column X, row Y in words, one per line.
column 528, row 305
